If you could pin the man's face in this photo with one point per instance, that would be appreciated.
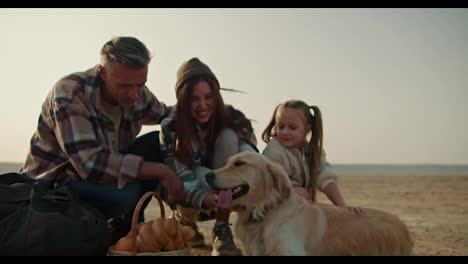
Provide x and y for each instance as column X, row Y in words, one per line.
column 122, row 85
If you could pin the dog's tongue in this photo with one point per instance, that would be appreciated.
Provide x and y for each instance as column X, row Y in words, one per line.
column 225, row 199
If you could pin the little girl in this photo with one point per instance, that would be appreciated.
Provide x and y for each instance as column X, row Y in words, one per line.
column 304, row 160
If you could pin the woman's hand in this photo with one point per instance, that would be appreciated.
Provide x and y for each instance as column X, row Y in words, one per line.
column 210, row 201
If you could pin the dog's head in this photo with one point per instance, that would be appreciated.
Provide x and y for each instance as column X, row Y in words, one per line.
column 256, row 183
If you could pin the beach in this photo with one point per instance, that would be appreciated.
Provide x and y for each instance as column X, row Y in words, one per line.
column 435, row 208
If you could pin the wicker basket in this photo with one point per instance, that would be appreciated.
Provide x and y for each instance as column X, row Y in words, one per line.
column 135, row 228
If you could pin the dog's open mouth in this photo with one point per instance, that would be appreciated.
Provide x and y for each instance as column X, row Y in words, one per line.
column 236, row 192
column 239, row 191
column 228, row 193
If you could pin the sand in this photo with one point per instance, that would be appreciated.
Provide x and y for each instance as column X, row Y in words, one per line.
column 435, row 208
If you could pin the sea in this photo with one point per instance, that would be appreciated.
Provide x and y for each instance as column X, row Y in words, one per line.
column 354, row 169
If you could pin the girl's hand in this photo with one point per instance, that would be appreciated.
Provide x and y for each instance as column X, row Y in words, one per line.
column 357, row 210
column 301, row 191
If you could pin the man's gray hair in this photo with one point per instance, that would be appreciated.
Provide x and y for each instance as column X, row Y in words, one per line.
column 125, row 50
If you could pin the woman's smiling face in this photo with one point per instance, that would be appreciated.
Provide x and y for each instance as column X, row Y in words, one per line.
column 202, row 102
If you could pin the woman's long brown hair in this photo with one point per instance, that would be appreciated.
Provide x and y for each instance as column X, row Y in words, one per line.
column 186, row 125
column 315, row 146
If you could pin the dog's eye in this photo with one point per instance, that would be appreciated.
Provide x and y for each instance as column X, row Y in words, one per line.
column 239, row 163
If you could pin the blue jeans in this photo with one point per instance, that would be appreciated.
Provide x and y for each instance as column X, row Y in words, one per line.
column 113, row 202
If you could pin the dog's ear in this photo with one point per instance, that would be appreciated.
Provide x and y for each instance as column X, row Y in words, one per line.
column 280, row 179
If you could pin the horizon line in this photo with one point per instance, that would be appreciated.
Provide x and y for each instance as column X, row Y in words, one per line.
column 340, row 164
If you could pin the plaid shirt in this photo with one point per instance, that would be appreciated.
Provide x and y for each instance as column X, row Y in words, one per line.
column 74, row 136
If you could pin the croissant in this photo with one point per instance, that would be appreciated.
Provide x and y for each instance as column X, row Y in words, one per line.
column 146, row 239
column 123, row 244
column 187, row 233
column 170, row 227
column 159, row 233
column 179, row 239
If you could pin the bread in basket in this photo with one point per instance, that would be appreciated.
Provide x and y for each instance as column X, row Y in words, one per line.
column 159, row 237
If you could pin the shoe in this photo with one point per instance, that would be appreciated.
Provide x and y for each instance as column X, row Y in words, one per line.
column 118, row 228
column 223, row 243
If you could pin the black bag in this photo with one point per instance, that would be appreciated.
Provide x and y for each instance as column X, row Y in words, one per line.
column 38, row 218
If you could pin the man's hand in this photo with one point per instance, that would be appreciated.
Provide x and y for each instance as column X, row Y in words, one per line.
column 168, row 179
column 175, row 189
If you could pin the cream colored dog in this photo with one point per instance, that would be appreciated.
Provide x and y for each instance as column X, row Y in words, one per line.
column 273, row 220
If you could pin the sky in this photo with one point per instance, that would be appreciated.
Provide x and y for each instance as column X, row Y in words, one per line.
column 392, row 84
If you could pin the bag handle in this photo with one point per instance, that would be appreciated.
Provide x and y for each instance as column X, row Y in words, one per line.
column 136, row 213
column 14, row 177
column 15, row 187
column 18, row 192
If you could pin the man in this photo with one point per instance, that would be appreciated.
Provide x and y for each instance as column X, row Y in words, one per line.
column 87, row 129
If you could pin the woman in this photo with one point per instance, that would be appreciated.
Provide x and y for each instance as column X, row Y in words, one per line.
column 199, row 136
